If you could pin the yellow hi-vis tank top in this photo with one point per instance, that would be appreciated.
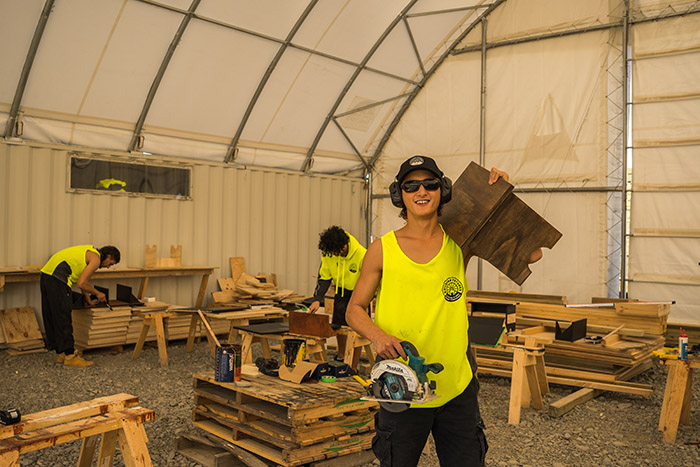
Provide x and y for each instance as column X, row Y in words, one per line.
column 424, row 304
column 68, row 264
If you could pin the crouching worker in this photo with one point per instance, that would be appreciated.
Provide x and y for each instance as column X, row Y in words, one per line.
column 68, row 266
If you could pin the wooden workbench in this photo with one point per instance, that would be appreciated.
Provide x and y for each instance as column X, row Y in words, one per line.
column 31, row 274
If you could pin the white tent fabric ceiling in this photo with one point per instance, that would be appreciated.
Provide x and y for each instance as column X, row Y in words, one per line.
column 275, row 80
column 352, row 87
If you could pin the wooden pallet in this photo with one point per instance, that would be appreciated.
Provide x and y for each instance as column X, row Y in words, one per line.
column 286, row 423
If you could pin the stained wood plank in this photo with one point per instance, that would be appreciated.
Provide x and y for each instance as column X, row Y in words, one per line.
column 494, row 224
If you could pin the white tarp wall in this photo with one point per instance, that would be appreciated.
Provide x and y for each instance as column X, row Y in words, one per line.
column 553, row 119
column 545, row 124
column 270, row 217
column 665, row 221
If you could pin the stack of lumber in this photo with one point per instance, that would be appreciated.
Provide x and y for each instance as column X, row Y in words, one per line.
column 286, row 423
column 100, row 327
column 630, row 332
column 673, row 332
column 19, row 329
column 637, row 317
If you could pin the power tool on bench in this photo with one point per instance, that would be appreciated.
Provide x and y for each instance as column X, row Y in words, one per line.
column 396, row 385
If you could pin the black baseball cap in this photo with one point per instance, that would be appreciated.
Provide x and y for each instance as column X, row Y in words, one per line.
column 418, row 163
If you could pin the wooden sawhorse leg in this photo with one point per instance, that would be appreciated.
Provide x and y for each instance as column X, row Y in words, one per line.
column 192, row 333
column 353, row 349
column 525, row 384
column 142, row 339
column 676, row 405
column 157, row 321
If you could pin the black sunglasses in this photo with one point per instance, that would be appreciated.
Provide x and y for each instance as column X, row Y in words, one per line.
column 430, row 184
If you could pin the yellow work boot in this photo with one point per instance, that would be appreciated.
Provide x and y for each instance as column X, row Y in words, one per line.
column 76, row 360
column 60, row 358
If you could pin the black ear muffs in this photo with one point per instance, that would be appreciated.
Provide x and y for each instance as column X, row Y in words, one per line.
column 395, row 194
column 445, row 192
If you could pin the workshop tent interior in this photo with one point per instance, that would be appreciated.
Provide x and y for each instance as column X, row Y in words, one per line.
column 243, row 128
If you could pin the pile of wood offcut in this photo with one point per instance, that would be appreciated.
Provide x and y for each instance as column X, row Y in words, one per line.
column 245, row 289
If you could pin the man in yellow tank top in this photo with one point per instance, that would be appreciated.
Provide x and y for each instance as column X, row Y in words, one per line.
column 419, row 272
column 71, row 265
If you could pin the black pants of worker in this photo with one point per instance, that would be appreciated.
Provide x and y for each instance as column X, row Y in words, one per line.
column 56, row 302
column 457, row 431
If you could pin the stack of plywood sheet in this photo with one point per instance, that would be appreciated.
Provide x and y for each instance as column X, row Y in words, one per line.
column 628, row 334
column 100, row 327
column 20, row 330
column 288, row 424
column 638, row 318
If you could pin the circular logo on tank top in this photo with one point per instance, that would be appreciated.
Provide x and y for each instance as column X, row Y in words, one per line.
column 353, row 268
column 452, row 289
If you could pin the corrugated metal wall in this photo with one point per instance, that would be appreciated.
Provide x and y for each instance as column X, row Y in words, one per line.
column 271, row 218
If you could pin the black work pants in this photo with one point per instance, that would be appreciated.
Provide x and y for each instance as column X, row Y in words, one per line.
column 456, row 426
column 56, row 302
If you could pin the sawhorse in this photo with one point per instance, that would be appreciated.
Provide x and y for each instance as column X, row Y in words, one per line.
column 112, row 418
column 528, row 379
column 155, row 318
column 354, row 345
column 679, row 389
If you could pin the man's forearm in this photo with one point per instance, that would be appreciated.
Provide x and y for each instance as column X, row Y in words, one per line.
column 361, row 323
column 322, row 286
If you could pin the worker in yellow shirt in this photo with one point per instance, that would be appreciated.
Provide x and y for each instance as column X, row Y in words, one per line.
column 341, row 261
column 68, row 266
column 419, row 272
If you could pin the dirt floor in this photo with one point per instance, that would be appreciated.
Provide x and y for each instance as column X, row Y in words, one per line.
column 613, row 429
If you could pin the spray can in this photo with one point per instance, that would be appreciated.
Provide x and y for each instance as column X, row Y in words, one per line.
column 683, row 346
column 228, row 363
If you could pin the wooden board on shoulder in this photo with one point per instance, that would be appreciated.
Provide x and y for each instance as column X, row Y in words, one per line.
column 494, row 224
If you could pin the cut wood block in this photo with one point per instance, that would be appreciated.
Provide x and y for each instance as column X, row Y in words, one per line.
column 176, row 254
column 494, row 224
column 309, row 324
column 20, row 324
column 225, row 296
column 168, row 263
column 237, row 267
column 151, row 255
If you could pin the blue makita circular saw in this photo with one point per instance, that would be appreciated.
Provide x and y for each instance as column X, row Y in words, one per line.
column 395, row 384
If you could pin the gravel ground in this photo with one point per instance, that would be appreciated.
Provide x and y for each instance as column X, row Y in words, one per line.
column 613, row 429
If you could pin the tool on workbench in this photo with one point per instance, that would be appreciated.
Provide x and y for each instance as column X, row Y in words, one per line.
column 668, row 353
column 396, row 385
